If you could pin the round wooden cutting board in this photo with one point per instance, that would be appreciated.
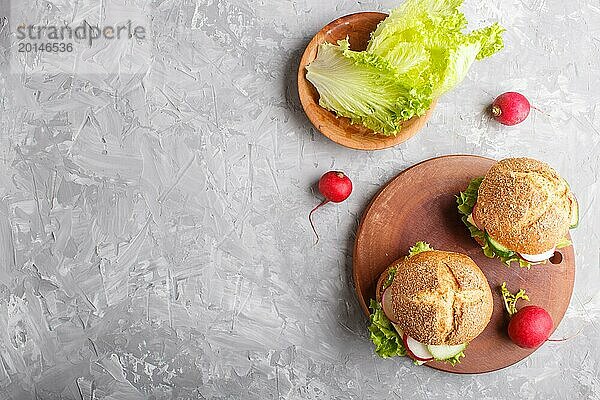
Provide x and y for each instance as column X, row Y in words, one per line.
column 420, row 204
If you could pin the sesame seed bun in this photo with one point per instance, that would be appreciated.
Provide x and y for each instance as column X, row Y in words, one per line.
column 524, row 205
column 440, row 297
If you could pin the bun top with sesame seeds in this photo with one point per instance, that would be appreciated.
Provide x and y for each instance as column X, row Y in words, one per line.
column 524, row 205
column 439, row 297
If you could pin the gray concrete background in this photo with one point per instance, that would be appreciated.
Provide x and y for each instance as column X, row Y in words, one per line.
column 154, row 240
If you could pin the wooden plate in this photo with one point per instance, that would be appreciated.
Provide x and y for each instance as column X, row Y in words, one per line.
column 420, row 204
column 358, row 28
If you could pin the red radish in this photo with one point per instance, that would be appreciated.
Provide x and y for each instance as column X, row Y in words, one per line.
column 386, row 305
column 534, row 258
column 510, row 108
column 530, row 327
column 416, row 350
column 335, row 186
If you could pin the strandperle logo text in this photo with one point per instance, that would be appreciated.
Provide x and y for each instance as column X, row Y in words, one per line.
column 84, row 31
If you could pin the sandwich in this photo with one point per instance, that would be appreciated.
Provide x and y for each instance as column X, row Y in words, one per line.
column 429, row 306
column 520, row 211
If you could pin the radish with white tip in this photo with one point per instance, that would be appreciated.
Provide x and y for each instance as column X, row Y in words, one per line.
column 416, row 350
column 335, row 186
column 510, row 108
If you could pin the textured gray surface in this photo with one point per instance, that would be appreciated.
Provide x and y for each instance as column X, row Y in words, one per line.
column 153, row 232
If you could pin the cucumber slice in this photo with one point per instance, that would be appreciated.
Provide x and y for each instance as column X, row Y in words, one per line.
column 442, row 352
column 574, row 213
column 498, row 248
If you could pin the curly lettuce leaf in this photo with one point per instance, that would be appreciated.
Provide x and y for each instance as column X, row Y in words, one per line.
column 390, row 277
column 424, row 39
column 510, row 300
column 419, row 247
column 515, row 258
column 362, row 87
column 465, row 201
column 415, row 18
column 456, row 65
column 384, row 336
column 490, row 40
column 455, row 359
